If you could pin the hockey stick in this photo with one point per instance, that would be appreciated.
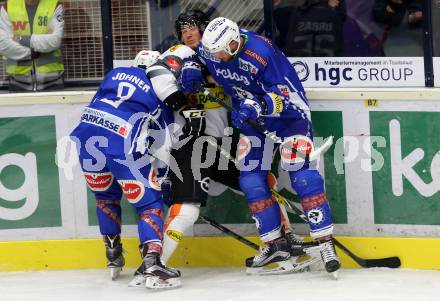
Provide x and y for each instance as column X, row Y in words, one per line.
column 390, row 262
column 229, row 232
column 387, row 262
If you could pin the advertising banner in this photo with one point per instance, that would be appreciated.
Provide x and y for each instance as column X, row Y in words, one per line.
column 360, row 71
column 381, row 174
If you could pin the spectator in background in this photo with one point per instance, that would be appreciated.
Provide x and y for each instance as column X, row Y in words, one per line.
column 310, row 27
column 362, row 35
column 402, row 22
column 31, row 32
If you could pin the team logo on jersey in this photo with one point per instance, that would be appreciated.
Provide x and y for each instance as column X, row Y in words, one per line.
column 228, row 74
column 174, row 63
column 256, row 56
column 302, row 70
column 247, row 66
column 174, row 235
column 98, row 181
column 153, row 179
column 243, row 148
column 296, row 149
column 315, row 216
column 132, row 189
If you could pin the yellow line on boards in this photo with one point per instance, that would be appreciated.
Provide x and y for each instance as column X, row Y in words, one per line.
column 418, row 253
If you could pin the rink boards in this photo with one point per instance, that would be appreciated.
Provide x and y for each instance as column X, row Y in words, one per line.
column 382, row 179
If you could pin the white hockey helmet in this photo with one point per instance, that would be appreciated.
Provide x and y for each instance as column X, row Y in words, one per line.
column 145, row 58
column 219, row 33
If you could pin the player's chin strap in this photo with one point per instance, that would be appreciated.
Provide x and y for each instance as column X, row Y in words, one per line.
column 390, row 262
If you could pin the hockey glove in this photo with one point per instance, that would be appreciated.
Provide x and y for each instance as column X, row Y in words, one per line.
column 249, row 109
column 191, row 78
column 195, row 121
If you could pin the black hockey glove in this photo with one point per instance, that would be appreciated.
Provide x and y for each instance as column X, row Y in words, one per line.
column 195, row 121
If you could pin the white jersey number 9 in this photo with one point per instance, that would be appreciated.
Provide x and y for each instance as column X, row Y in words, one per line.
column 125, row 92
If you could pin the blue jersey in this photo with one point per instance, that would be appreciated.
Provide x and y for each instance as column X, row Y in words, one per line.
column 124, row 106
column 259, row 68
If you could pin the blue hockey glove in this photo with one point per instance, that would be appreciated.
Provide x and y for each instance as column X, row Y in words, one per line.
column 249, row 109
column 191, row 78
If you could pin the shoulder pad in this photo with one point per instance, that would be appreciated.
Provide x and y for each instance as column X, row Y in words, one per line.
column 181, row 51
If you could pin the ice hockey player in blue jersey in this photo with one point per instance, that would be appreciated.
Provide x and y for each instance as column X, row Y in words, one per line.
column 114, row 150
column 265, row 88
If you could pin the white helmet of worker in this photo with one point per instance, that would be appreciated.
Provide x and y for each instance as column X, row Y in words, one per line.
column 219, row 34
column 145, row 58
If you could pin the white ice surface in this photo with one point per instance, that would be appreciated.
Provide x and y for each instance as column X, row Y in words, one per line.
column 226, row 284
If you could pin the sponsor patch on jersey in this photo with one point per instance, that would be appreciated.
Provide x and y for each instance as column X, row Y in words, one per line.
column 284, row 89
column 132, row 189
column 277, row 102
column 243, row 148
column 247, row 66
column 174, row 235
column 107, row 121
column 99, row 181
column 256, row 56
column 296, row 149
column 153, row 179
column 208, row 101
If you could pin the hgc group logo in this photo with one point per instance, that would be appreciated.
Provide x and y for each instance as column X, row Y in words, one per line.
column 302, row 70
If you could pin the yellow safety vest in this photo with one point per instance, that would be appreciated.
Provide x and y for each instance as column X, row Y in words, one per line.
column 46, row 62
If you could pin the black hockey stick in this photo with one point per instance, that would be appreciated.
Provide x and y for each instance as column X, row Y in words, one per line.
column 387, row 262
column 390, row 262
column 229, row 232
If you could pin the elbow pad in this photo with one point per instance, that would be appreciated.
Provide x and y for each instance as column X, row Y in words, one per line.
column 176, row 101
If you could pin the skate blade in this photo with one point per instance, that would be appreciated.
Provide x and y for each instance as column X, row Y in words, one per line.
column 335, row 275
column 137, row 281
column 313, row 250
column 115, row 272
column 154, row 282
column 278, row 268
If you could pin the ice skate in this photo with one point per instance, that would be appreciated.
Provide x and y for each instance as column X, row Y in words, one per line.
column 156, row 274
column 303, row 254
column 139, row 277
column 299, row 247
column 113, row 252
column 329, row 257
column 274, row 258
